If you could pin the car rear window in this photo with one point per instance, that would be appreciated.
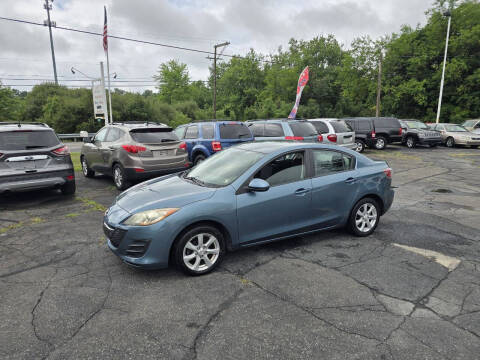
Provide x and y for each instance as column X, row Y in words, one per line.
column 341, row 126
column 303, row 129
column 321, row 127
column 153, row 136
column 27, row 139
column 234, row 131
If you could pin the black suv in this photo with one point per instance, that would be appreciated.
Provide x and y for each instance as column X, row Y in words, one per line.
column 32, row 157
column 378, row 131
column 416, row 132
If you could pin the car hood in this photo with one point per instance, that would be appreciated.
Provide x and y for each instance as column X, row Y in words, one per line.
column 164, row 192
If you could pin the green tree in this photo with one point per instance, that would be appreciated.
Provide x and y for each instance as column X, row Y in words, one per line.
column 173, row 81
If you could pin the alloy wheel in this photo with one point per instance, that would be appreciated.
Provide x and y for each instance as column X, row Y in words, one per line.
column 450, row 142
column 380, row 144
column 118, row 177
column 359, row 146
column 366, row 217
column 201, row 252
column 84, row 167
column 410, row 142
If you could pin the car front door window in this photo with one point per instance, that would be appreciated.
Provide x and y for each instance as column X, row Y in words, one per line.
column 285, row 169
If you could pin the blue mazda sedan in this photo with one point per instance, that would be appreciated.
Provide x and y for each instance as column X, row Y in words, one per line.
column 249, row 194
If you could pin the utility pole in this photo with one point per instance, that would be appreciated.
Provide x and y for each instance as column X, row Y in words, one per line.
column 49, row 23
column 449, row 15
column 215, row 76
column 379, row 84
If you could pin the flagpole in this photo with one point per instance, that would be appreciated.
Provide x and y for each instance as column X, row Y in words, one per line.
column 109, row 92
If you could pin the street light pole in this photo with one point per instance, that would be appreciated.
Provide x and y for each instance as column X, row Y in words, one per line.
column 449, row 15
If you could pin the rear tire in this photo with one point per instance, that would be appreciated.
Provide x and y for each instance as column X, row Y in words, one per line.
column 198, row 159
column 68, row 188
column 87, row 172
column 199, row 250
column 380, row 143
column 360, row 146
column 120, row 178
column 364, row 217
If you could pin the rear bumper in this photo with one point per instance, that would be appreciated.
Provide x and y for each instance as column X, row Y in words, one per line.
column 134, row 175
column 34, row 181
column 388, row 200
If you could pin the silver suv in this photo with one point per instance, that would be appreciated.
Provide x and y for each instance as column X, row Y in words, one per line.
column 133, row 151
column 335, row 132
column 32, row 157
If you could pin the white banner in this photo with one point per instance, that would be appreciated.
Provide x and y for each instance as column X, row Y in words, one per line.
column 99, row 100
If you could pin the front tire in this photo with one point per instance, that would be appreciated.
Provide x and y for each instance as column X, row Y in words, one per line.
column 87, row 172
column 364, row 217
column 120, row 178
column 360, row 146
column 450, row 142
column 199, row 250
column 380, row 143
column 411, row 142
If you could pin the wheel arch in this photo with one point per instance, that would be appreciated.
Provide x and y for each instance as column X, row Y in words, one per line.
column 375, row 197
column 219, row 226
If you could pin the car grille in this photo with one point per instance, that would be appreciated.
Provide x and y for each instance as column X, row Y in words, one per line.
column 115, row 235
column 137, row 248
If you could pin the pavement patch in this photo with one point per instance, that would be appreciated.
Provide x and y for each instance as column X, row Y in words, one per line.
column 447, row 261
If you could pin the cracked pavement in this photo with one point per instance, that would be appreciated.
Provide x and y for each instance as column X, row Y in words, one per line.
column 63, row 295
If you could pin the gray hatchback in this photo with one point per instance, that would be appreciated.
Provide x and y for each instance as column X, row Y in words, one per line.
column 133, row 151
column 32, row 157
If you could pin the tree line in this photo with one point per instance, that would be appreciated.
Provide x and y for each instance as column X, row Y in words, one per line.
column 343, row 82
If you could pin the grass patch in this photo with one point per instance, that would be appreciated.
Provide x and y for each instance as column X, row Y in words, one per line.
column 76, row 161
column 72, row 215
column 91, row 204
column 32, row 221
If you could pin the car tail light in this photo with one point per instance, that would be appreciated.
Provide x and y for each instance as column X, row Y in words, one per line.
column 332, row 137
column 139, row 170
column 294, row 138
column 320, row 138
column 216, row 146
column 187, row 164
column 70, row 177
column 400, row 131
column 62, row 151
column 388, row 172
column 373, row 134
column 133, row 149
column 183, row 146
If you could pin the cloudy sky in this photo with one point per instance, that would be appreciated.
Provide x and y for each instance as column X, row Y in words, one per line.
column 261, row 25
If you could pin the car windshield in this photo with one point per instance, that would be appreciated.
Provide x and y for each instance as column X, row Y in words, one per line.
column 455, row 128
column 153, row 135
column 469, row 123
column 416, row 125
column 223, row 168
column 27, row 139
column 234, row 131
column 303, row 129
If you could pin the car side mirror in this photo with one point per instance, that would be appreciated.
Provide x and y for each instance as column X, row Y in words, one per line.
column 258, row 185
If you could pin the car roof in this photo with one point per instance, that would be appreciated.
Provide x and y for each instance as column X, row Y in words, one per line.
column 268, row 147
column 325, row 119
column 130, row 125
column 207, row 122
column 275, row 120
column 10, row 126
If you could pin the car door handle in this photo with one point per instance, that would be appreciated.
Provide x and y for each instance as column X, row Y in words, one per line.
column 350, row 180
column 301, row 191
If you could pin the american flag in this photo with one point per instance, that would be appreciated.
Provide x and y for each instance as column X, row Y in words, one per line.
column 105, row 36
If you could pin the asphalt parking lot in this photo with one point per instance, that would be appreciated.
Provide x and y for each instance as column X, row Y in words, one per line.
column 409, row 291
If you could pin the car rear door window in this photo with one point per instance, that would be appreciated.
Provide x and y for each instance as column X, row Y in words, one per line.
column 364, row 125
column 207, row 131
column 153, row 135
column 257, row 129
column 285, row 169
column 321, row 127
column 273, row 130
column 330, row 162
column 234, row 131
column 340, row 126
column 192, row 132
column 303, row 129
column 27, row 139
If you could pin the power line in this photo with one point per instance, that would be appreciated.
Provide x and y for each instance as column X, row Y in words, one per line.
column 127, row 39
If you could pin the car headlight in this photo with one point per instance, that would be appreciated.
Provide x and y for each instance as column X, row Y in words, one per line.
column 149, row 217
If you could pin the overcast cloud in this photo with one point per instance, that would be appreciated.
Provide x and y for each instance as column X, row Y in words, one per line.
column 262, row 25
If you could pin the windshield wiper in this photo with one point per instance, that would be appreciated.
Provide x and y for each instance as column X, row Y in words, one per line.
column 195, row 180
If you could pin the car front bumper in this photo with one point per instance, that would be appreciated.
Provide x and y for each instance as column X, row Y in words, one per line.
column 146, row 247
column 467, row 142
column 430, row 141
